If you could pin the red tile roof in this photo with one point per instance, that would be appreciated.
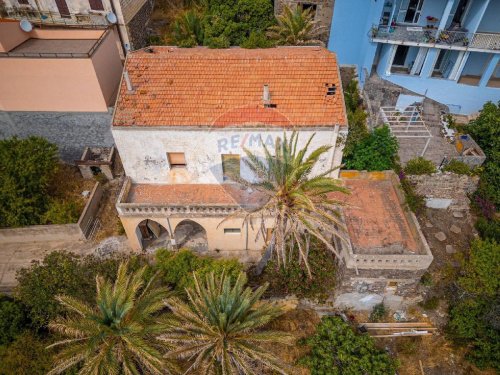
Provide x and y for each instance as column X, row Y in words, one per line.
column 224, row 87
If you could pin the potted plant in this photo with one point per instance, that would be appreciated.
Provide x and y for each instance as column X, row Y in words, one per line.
column 374, row 31
column 465, row 42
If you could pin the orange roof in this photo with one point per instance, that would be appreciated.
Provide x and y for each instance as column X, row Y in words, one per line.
column 375, row 219
column 224, row 87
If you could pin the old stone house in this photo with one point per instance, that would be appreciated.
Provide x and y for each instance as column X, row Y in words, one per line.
column 182, row 120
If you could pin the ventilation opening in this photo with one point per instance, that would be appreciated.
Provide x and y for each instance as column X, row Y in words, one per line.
column 232, row 230
column 331, row 90
column 270, row 105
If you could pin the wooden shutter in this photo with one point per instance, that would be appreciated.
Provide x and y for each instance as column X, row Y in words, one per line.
column 63, row 9
column 96, row 5
column 176, row 159
column 230, row 166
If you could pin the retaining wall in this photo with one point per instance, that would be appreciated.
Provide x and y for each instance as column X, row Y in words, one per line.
column 57, row 232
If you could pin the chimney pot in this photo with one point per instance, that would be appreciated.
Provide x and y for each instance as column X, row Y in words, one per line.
column 266, row 96
column 126, row 77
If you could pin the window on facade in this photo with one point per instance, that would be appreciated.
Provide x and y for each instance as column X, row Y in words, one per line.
column 63, row 9
column 176, row 159
column 23, row 2
column 312, row 8
column 96, row 5
column 230, row 166
column 232, row 230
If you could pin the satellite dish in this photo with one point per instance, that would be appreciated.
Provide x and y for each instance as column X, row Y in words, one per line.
column 26, row 25
column 111, row 17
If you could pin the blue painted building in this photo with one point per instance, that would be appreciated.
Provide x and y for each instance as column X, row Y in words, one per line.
column 447, row 50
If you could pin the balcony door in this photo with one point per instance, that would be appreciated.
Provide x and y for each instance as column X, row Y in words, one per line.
column 410, row 11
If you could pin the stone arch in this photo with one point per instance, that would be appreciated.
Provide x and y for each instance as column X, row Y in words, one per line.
column 192, row 235
column 152, row 234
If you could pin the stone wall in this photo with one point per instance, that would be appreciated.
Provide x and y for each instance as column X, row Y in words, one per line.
column 137, row 27
column 71, row 132
column 60, row 232
column 448, row 188
column 324, row 13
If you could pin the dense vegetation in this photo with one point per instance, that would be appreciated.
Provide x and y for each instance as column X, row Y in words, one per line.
column 337, row 350
column 365, row 150
column 419, row 166
column 30, row 185
column 475, row 302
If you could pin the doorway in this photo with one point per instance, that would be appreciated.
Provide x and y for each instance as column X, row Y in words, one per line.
column 410, row 11
column 458, row 17
column 152, row 234
column 400, row 56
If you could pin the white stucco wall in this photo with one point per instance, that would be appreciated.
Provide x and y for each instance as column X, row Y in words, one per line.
column 144, row 151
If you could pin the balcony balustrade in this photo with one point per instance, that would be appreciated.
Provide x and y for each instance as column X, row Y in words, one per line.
column 429, row 37
column 54, row 18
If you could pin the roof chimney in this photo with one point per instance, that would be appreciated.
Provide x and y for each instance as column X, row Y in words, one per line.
column 126, row 77
column 266, row 96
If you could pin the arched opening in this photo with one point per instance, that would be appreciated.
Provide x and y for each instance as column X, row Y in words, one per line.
column 152, row 234
column 191, row 235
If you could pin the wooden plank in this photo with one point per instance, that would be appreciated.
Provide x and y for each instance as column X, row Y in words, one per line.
column 405, row 324
column 392, row 329
column 409, row 335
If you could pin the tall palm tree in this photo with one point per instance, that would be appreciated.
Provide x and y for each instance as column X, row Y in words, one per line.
column 187, row 30
column 296, row 27
column 221, row 330
column 117, row 336
column 297, row 200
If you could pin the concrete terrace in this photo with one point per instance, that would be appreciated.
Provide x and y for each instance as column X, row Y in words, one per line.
column 56, row 46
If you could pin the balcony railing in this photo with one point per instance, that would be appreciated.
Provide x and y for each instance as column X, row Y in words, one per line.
column 53, row 18
column 434, row 37
column 52, row 55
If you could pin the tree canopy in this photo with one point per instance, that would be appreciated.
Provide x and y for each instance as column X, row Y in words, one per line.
column 25, row 173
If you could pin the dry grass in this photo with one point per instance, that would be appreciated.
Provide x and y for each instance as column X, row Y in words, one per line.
column 68, row 183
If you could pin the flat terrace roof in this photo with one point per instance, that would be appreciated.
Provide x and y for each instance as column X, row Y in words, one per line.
column 193, row 194
column 375, row 217
column 56, row 46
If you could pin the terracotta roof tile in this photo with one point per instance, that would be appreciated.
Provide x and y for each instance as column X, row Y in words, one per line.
column 206, row 87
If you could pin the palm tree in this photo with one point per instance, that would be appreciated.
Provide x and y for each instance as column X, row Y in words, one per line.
column 117, row 336
column 221, row 328
column 187, row 29
column 296, row 27
column 297, row 201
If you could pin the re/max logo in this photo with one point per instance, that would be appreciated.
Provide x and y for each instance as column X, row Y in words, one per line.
column 238, row 141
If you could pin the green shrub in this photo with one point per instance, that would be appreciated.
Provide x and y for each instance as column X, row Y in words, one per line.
column 485, row 129
column 426, row 279
column 419, row 166
column 358, row 131
column 376, row 152
column 27, row 166
column 256, row 40
column 414, row 201
column 431, row 303
column 378, row 312
column 458, row 167
column 63, row 273
column 27, row 355
column 177, row 268
column 219, row 42
column 63, row 212
column 488, row 229
column 351, row 96
column 13, row 319
column 294, row 278
column 475, row 310
column 337, row 350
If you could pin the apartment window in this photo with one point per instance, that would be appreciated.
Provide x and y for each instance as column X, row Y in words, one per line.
column 230, row 166
column 23, row 2
column 96, row 5
column 176, row 159
column 232, row 230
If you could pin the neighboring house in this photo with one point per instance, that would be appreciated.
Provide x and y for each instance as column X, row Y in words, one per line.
column 130, row 16
column 322, row 11
column 448, row 50
column 50, row 73
column 182, row 120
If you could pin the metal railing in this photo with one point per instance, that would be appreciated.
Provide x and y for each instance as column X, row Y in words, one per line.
column 435, row 37
column 54, row 18
column 48, row 55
